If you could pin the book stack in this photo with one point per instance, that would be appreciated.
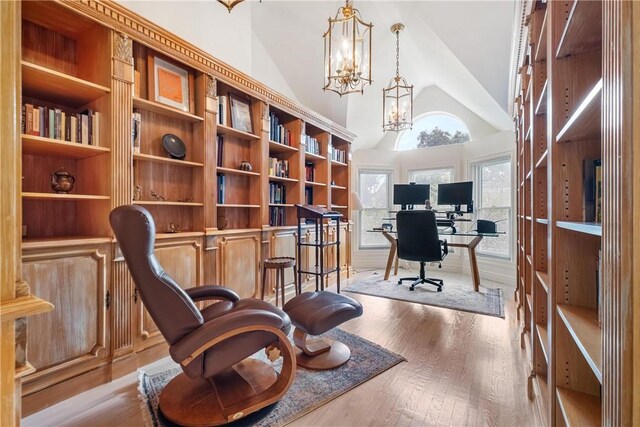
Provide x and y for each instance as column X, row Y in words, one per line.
column 277, row 132
column 338, row 155
column 136, row 123
column 311, row 145
column 592, row 185
column 221, row 188
column 277, row 193
column 276, row 216
column 49, row 122
column 222, row 110
column 309, row 172
column 278, row 167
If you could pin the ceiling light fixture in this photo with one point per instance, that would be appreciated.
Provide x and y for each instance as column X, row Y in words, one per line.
column 230, row 4
column 397, row 97
column 347, row 52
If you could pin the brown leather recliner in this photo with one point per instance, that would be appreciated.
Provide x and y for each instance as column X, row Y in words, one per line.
column 211, row 345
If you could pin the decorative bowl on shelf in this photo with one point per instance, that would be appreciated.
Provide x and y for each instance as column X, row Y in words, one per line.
column 245, row 166
column 174, row 146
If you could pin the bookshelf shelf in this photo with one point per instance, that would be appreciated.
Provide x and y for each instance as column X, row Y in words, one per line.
column 220, row 169
column 581, row 32
column 182, row 234
column 281, row 205
column 544, row 221
column 229, row 131
column 313, row 156
column 544, row 280
column 529, row 299
column 237, row 205
column 281, row 179
column 338, row 207
column 584, row 123
column 579, row 409
column 542, row 161
column 56, row 148
column 276, row 147
column 338, row 187
column 44, row 83
column 62, row 241
column 337, row 163
column 582, row 324
column 541, row 107
column 543, row 337
column 541, row 45
column 592, row 228
column 161, row 203
column 528, row 177
column 62, row 197
column 317, row 184
column 165, row 110
column 158, row 159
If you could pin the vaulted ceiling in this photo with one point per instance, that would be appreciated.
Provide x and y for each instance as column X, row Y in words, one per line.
column 462, row 47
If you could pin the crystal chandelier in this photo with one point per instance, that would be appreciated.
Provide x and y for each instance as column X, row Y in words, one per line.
column 397, row 97
column 230, row 4
column 347, row 52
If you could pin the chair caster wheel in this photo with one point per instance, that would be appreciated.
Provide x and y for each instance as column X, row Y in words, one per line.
column 439, row 289
column 399, row 282
column 411, row 289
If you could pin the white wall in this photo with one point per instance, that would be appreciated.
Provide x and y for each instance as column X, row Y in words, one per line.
column 486, row 143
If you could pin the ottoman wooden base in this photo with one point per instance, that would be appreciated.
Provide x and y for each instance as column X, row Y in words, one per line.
column 336, row 356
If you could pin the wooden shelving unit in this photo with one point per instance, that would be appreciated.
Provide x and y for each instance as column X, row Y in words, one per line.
column 559, row 136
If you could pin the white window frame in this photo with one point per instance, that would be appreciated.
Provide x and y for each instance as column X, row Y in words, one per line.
column 476, row 168
column 416, row 122
column 389, row 173
column 434, row 203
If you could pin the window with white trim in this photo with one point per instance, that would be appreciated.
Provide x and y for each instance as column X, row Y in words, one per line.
column 493, row 202
column 374, row 189
column 433, row 177
column 434, row 129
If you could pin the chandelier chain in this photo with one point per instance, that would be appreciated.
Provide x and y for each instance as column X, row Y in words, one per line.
column 397, row 53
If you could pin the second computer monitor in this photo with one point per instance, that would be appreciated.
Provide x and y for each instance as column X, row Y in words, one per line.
column 408, row 195
column 456, row 194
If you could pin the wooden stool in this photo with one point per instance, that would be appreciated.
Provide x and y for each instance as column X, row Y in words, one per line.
column 279, row 264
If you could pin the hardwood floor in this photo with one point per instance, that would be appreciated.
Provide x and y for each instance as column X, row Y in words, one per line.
column 462, row 369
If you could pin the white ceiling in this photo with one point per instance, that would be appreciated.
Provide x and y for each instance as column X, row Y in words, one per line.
column 462, row 47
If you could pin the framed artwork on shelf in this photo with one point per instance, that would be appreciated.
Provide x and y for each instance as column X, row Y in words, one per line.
column 170, row 84
column 240, row 114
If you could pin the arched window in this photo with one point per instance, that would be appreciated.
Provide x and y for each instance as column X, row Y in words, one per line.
column 434, row 130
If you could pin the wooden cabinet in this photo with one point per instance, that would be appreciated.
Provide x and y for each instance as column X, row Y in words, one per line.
column 213, row 213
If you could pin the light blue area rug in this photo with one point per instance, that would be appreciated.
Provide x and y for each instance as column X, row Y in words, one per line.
column 455, row 295
column 310, row 389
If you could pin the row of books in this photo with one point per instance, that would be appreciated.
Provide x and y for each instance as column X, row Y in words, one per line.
column 49, row 122
column 278, row 167
column 338, row 155
column 277, row 132
column 136, row 127
column 221, row 188
column 593, row 190
column 311, row 145
column 309, row 172
column 220, row 150
column 276, row 216
column 277, row 193
column 222, row 110
column 308, row 195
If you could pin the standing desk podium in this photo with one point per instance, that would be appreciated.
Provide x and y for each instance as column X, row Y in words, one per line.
column 318, row 215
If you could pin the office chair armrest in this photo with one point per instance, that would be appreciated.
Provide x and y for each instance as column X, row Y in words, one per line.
column 445, row 247
column 200, row 293
column 221, row 328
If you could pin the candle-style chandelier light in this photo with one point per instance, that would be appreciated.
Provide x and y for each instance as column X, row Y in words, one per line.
column 347, row 52
column 397, row 97
column 230, row 4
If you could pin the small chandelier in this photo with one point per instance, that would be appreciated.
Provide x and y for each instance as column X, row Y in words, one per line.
column 397, row 97
column 347, row 52
column 230, row 4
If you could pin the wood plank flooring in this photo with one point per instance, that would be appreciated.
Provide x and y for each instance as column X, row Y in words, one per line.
column 463, row 369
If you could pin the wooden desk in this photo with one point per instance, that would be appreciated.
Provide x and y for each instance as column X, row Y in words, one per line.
column 471, row 246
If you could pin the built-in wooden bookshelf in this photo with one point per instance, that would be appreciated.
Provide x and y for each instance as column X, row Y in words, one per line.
column 98, row 57
column 560, row 137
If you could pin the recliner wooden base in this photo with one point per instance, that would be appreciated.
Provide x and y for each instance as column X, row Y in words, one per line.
column 236, row 392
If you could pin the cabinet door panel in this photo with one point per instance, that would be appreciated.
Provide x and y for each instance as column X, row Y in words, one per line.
column 183, row 262
column 239, row 259
column 73, row 337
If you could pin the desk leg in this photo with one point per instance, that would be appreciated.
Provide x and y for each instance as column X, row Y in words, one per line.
column 392, row 254
column 474, row 262
column 395, row 270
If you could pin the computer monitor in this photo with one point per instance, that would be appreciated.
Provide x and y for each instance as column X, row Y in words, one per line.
column 408, row 195
column 456, row 194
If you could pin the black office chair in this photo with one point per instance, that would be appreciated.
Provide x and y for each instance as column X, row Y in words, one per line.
column 418, row 240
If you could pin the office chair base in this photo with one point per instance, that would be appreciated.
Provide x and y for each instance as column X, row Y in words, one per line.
column 418, row 281
column 234, row 394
